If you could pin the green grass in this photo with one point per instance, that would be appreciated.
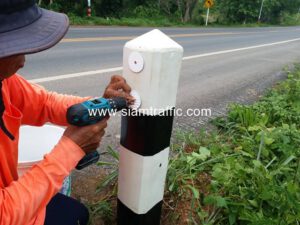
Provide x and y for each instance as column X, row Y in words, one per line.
column 134, row 22
column 287, row 20
column 290, row 20
column 247, row 171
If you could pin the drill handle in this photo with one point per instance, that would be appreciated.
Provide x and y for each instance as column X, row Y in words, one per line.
column 88, row 160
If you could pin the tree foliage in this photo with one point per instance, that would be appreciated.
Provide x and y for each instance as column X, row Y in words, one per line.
column 224, row 11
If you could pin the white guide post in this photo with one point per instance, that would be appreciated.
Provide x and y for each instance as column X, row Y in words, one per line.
column 89, row 9
column 151, row 66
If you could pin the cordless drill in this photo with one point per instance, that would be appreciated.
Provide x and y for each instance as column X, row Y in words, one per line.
column 91, row 112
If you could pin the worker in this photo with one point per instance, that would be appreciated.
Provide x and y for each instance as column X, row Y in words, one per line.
column 33, row 199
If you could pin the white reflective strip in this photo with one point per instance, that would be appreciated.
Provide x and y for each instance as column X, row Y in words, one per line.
column 142, row 179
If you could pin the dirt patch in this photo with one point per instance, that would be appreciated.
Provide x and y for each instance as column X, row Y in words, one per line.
column 102, row 204
column 180, row 210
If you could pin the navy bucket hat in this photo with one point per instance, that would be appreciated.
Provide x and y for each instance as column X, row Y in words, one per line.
column 25, row 28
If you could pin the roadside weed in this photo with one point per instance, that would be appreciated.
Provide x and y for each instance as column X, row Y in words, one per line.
column 246, row 171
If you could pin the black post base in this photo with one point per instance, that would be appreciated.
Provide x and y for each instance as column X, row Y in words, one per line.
column 128, row 217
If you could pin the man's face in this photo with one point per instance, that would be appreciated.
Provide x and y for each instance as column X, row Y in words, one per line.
column 10, row 65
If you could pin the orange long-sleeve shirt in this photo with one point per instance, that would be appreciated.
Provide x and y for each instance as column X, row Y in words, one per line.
column 23, row 201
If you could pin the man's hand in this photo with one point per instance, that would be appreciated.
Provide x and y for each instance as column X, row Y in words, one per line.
column 88, row 137
column 118, row 88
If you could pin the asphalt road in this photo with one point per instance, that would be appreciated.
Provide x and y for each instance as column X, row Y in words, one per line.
column 221, row 65
column 86, row 49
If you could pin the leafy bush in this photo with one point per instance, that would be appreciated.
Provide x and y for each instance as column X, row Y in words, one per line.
column 246, row 172
column 150, row 11
column 76, row 20
column 289, row 19
column 184, row 11
column 197, row 15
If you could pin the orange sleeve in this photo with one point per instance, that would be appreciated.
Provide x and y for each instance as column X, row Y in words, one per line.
column 38, row 105
column 21, row 201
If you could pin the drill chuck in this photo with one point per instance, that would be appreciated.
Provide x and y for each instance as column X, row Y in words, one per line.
column 91, row 112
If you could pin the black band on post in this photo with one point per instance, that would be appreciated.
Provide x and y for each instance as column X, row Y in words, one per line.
column 147, row 135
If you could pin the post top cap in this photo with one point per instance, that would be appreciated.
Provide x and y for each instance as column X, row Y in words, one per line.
column 154, row 40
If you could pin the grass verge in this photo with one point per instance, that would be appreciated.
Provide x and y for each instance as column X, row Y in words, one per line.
column 133, row 22
column 287, row 20
column 245, row 172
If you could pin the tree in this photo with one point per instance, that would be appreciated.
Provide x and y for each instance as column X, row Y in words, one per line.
column 228, row 11
column 239, row 11
column 185, row 9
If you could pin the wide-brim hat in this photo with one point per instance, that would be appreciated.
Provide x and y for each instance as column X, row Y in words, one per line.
column 25, row 28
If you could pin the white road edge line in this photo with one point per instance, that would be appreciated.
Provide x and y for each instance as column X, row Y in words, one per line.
column 116, row 69
column 240, row 49
column 73, row 75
